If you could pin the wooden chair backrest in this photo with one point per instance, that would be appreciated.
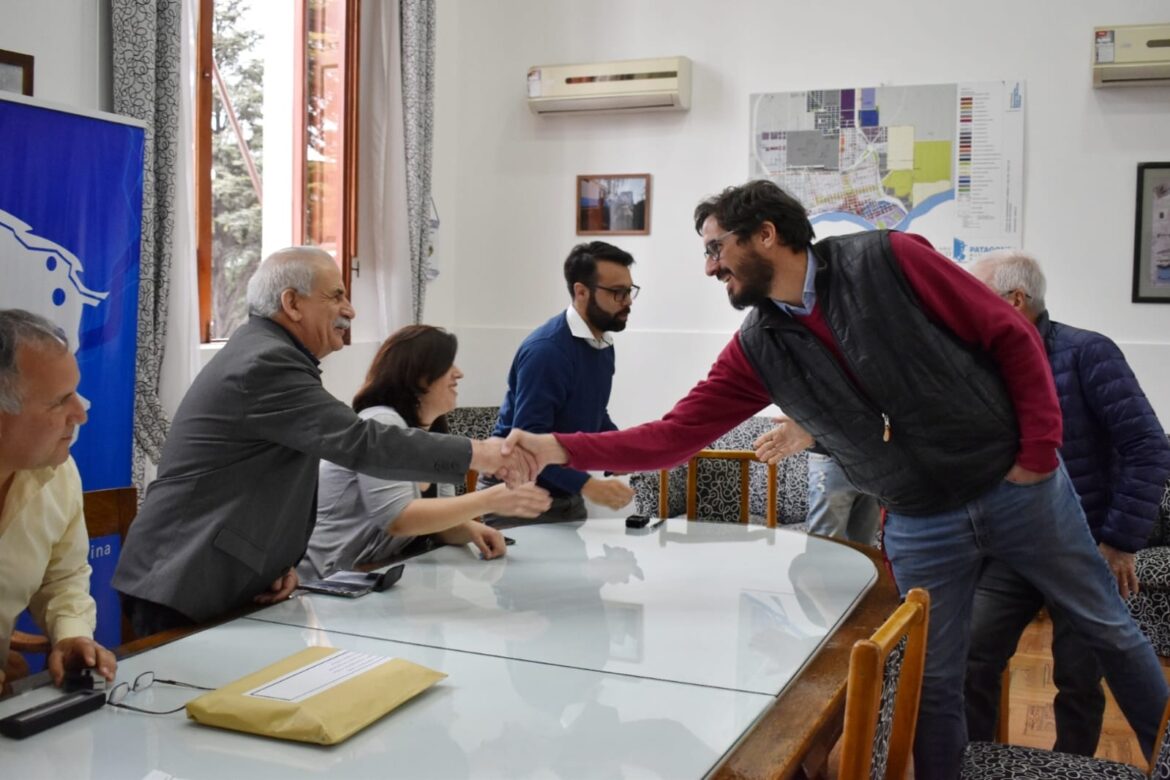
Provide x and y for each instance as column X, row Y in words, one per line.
column 110, row 511
column 864, row 715
column 745, row 458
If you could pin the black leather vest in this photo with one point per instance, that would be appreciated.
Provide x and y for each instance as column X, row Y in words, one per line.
column 924, row 423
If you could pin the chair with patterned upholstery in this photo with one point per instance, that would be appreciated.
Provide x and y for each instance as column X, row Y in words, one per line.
column 474, row 422
column 995, row 761
column 1150, row 607
column 716, row 476
column 881, row 697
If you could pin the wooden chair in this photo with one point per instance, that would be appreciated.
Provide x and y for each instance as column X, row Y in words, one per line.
column 881, row 698
column 745, row 459
column 107, row 512
column 995, row 760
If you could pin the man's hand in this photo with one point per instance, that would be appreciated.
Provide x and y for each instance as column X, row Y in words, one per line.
column 526, row 500
column 612, row 493
column 279, row 590
column 542, row 447
column 1121, row 563
column 787, row 438
column 513, row 465
column 1021, row 476
column 80, row 652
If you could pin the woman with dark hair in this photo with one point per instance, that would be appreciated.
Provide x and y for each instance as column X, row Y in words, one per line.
column 361, row 519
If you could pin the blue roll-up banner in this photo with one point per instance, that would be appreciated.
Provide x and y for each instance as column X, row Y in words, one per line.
column 70, row 237
column 70, row 234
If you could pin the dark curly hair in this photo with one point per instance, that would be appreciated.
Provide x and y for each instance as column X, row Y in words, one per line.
column 743, row 209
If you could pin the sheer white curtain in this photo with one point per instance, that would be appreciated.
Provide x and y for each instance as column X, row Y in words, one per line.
column 180, row 361
column 383, row 227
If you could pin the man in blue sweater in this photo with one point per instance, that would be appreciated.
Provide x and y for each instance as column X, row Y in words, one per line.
column 1118, row 457
column 562, row 374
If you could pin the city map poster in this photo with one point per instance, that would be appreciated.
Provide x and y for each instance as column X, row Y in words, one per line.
column 941, row 160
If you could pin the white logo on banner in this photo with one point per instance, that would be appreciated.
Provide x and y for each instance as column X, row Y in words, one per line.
column 42, row 277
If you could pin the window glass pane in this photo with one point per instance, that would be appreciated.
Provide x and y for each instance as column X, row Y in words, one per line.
column 324, row 97
column 237, row 146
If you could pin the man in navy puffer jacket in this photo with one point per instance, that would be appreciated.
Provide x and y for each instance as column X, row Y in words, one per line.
column 1118, row 457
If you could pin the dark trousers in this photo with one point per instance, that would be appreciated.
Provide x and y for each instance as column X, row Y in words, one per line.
column 147, row 617
column 1004, row 605
column 563, row 509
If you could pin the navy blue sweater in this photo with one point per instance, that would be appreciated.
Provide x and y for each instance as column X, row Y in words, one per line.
column 558, row 384
column 1114, row 447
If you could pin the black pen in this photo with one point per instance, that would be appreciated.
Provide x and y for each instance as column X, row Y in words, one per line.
column 660, row 522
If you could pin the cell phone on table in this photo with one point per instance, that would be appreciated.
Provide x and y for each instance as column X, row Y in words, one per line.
column 509, row 541
column 637, row 521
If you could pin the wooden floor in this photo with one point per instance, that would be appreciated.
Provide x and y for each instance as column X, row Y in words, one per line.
column 1031, row 721
column 1032, row 690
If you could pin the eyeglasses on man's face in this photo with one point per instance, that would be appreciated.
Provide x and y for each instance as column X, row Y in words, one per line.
column 713, row 249
column 143, row 681
column 620, row 294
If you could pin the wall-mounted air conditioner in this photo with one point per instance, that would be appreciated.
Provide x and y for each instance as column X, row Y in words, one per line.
column 662, row 84
column 1134, row 55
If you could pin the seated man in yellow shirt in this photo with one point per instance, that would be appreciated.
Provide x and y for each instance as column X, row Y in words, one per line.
column 43, row 541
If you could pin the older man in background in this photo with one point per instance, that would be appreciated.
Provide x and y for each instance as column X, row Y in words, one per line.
column 1117, row 454
column 232, row 509
column 43, row 542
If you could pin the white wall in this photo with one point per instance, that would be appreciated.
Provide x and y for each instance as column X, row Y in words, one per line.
column 69, row 42
column 504, row 178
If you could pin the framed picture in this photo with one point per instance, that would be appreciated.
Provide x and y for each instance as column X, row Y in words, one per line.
column 613, row 204
column 16, row 72
column 1151, row 241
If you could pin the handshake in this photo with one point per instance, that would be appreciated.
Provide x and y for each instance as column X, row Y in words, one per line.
column 518, row 458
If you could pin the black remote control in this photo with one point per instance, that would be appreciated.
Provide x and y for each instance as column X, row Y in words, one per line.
column 44, row 716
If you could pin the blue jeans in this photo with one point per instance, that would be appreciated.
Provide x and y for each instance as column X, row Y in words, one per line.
column 1040, row 531
column 835, row 508
column 1005, row 604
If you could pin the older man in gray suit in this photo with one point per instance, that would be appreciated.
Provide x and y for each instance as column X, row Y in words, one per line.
column 231, row 511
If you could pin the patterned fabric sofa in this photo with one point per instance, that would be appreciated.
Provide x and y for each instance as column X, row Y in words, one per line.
column 1151, row 606
column 474, row 422
column 718, row 483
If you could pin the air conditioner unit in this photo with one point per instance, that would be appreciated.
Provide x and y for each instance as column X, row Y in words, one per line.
column 662, row 84
column 1132, row 55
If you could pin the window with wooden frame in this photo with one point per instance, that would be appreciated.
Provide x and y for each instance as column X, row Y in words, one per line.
column 276, row 117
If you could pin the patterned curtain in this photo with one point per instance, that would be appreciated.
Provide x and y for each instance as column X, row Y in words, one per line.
column 146, row 57
column 418, row 98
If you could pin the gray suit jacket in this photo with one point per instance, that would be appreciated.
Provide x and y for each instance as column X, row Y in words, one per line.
column 235, row 499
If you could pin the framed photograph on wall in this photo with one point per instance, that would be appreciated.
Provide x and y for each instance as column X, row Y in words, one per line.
column 1151, row 241
column 616, row 204
column 16, row 72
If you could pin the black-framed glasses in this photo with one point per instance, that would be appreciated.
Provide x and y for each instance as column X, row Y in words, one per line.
column 143, row 681
column 1009, row 293
column 620, row 294
column 714, row 248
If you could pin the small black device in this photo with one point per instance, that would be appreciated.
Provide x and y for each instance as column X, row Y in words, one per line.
column 509, row 541
column 352, row 584
column 78, row 680
column 36, row 719
column 637, row 521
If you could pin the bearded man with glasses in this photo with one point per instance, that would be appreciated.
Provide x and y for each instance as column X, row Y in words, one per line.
column 562, row 374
